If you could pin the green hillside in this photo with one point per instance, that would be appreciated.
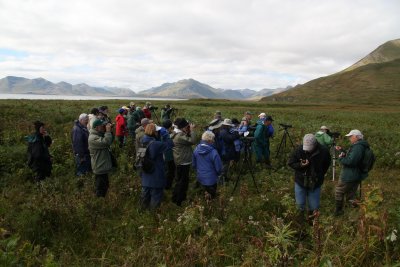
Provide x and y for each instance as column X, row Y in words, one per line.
column 370, row 84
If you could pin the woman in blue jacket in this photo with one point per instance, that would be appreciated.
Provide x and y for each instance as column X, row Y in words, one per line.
column 207, row 163
column 153, row 183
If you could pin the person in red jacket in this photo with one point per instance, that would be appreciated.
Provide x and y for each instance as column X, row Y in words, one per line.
column 147, row 111
column 121, row 129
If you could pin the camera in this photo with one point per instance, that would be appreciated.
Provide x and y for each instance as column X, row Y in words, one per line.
column 153, row 108
column 334, row 134
column 283, row 125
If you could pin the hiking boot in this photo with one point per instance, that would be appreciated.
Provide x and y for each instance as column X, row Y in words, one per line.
column 339, row 209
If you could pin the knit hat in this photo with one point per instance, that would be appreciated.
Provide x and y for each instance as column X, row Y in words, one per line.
column 98, row 122
column 309, row 142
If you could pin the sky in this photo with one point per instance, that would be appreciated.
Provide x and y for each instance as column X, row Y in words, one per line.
column 230, row 44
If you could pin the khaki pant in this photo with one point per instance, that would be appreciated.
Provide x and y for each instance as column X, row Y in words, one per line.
column 347, row 189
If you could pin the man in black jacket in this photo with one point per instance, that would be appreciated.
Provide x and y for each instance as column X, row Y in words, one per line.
column 310, row 162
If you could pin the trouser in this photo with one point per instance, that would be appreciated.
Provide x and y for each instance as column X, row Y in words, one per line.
column 262, row 151
column 348, row 189
column 303, row 194
column 225, row 169
column 102, row 184
column 121, row 140
column 82, row 167
column 211, row 189
column 182, row 184
column 151, row 197
column 170, row 173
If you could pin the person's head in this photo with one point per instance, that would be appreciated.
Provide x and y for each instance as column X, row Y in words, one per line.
column 268, row 120
column 145, row 121
column 103, row 109
column 148, row 104
column 309, row 142
column 227, row 123
column 150, row 130
column 248, row 115
column 83, row 119
column 132, row 105
column 39, row 127
column 235, row 121
column 122, row 111
column 99, row 125
column 167, row 124
column 183, row 125
column 208, row 137
column 138, row 108
column 217, row 115
column 355, row 136
column 94, row 111
column 324, row 129
column 167, row 106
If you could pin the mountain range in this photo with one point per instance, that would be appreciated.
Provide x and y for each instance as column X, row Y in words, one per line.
column 375, row 79
column 187, row 88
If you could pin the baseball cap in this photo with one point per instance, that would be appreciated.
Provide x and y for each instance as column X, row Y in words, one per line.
column 145, row 121
column 309, row 142
column 354, row 132
column 98, row 122
column 269, row 118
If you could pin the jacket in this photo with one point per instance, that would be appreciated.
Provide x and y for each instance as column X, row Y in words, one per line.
column 139, row 133
column 80, row 136
column 229, row 151
column 147, row 112
column 207, row 163
column 259, row 134
column 183, row 147
column 351, row 163
column 39, row 158
column 120, row 129
column 99, row 147
column 324, row 139
column 131, row 121
column 166, row 113
column 312, row 175
column 155, row 152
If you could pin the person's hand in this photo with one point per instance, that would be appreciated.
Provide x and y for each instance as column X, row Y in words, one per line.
column 108, row 127
column 338, row 148
column 342, row 155
column 304, row 162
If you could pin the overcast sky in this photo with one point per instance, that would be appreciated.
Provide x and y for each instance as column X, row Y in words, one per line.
column 224, row 43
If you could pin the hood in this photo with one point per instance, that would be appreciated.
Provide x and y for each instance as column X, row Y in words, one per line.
column 362, row 143
column 147, row 139
column 260, row 122
column 204, row 148
column 319, row 133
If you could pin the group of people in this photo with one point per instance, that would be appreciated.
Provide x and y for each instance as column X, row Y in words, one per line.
column 169, row 148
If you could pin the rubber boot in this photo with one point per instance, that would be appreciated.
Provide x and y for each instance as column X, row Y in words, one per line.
column 339, row 208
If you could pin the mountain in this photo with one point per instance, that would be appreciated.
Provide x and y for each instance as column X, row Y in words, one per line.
column 20, row 85
column 384, row 53
column 190, row 88
column 376, row 82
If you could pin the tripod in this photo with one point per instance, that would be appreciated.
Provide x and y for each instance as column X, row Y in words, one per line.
column 285, row 136
column 246, row 164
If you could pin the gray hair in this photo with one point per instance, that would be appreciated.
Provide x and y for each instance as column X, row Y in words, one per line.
column 360, row 137
column 208, row 136
column 83, row 116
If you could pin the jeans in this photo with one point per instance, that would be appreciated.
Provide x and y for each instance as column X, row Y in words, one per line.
column 151, row 197
column 312, row 196
column 82, row 167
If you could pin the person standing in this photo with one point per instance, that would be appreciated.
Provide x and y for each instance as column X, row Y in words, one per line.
column 310, row 162
column 39, row 158
column 92, row 117
column 146, row 110
column 264, row 131
column 207, row 163
column 80, row 145
column 139, row 132
column 168, row 155
column 166, row 113
column 323, row 137
column 100, row 140
column 153, row 183
column 184, row 137
column 228, row 152
column 121, row 130
column 351, row 174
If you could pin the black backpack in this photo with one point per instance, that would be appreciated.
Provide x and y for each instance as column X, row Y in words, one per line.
column 143, row 161
column 368, row 160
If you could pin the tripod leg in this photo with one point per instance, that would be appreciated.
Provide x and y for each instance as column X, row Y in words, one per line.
column 290, row 138
column 252, row 175
column 279, row 147
column 237, row 179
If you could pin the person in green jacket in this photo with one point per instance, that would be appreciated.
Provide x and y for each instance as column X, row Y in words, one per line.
column 323, row 137
column 351, row 174
column 100, row 140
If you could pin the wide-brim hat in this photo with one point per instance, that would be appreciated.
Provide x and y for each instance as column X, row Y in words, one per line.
column 227, row 122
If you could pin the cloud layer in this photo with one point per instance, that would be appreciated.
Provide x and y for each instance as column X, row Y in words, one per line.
column 225, row 43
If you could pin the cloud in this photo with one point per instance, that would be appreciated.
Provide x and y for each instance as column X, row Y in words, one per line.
column 227, row 43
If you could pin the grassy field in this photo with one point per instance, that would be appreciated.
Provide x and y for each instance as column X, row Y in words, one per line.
column 61, row 223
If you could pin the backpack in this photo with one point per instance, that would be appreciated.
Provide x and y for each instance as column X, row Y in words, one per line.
column 368, row 160
column 143, row 161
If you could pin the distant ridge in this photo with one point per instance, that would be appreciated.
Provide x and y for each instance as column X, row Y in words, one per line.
column 376, row 82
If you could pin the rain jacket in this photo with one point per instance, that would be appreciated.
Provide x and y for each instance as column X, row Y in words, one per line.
column 183, row 147
column 39, row 158
column 207, row 163
column 99, row 147
column 351, row 163
column 155, row 152
column 324, row 139
column 121, row 129
column 80, row 136
column 229, row 151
